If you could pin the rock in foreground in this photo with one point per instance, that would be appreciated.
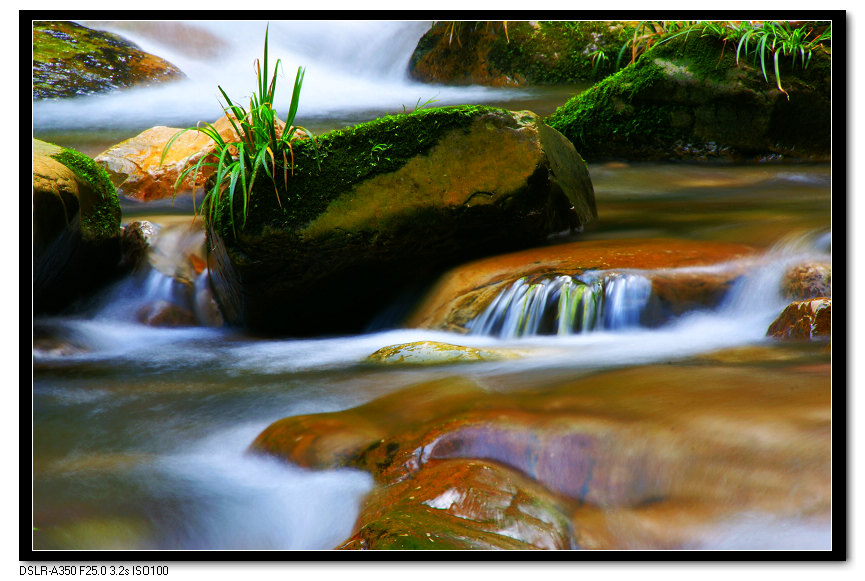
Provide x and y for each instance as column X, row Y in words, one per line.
column 698, row 443
column 395, row 202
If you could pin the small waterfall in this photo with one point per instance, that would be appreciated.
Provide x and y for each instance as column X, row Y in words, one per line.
column 565, row 305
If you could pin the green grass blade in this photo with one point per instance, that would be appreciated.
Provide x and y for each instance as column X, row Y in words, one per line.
column 295, row 96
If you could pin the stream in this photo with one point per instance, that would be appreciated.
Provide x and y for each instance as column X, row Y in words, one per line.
column 141, row 433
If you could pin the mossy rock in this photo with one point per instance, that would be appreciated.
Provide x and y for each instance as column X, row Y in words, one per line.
column 71, row 60
column 518, row 53
column 76, row 226
column 384, row 206
column 463, row 504
column 437, row 353
column 689, row 99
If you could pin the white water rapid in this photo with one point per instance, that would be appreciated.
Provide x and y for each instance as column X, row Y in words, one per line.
column 355, row 70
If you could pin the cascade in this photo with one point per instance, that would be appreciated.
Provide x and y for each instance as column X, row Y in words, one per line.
column 565, row 305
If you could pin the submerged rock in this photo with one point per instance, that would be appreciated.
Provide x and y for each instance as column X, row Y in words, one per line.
column 395, row 201
column 71, row 60
column 76, row 227
column 464, row 292
column 434, row 352
column 687, row 98
column 807, row 319
column 700, row 441
column 462, row 504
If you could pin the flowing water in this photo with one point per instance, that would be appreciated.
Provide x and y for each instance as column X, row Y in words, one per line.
column 140, row 432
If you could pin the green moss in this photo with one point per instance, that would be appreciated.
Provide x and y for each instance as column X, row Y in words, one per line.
column 99, row 218
column 607, row 113
column 555, row 52
column 346, row 156
column 687, row 93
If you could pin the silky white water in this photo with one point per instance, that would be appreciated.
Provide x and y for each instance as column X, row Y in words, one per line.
column 354, row 70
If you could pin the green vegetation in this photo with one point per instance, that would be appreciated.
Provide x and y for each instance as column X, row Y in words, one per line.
column 261, row 142
column 551, row 52
column 695, row 94
column 771, row 39
column 339, row 160
column 101, row 220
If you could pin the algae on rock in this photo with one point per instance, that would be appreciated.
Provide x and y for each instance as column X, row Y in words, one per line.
column 70, row 60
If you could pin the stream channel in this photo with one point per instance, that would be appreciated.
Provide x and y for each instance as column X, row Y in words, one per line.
column 141, row 433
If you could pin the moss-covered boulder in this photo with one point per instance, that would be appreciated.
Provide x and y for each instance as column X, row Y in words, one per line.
column 71, row 60
column 517, row 53
column 386, row 205
column 76, row 226
column 687, row 98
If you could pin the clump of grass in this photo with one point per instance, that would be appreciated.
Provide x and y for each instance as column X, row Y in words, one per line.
column 646, row 34
column 771, row 41
column 261, row 142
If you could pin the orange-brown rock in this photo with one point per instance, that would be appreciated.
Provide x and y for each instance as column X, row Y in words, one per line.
column 622, row 438
column 463, row 504
column 462, row 293
column 683, row 446
column 137, row 169
column 804, row 320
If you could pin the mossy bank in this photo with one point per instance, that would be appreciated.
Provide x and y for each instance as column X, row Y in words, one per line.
column 689, row 99
column 377, row 208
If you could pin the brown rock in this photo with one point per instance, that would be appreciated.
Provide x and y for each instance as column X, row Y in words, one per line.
column 462, row 504
column 137, row 169
column 166, row 314
column 624, row 438
column 804, row 320
column 465, row 291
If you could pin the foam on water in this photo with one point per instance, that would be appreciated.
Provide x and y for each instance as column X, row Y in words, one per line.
column 238, row 500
